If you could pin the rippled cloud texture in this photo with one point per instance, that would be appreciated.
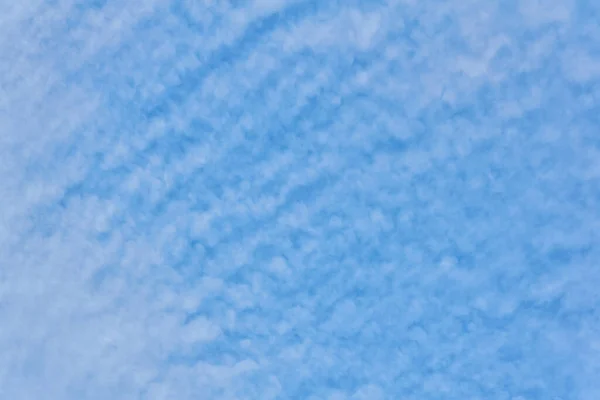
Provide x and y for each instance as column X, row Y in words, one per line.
column 300, row 199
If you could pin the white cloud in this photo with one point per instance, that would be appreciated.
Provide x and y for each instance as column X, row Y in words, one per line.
column 298, row 199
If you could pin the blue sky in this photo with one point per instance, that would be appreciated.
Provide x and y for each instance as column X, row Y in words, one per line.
column 295, row 199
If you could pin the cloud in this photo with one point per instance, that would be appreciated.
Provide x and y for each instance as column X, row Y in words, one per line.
column 299, row 199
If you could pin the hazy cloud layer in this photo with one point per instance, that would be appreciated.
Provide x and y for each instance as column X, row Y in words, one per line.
column 300, row 199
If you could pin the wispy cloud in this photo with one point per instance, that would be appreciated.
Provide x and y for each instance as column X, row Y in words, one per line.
column 299, row 199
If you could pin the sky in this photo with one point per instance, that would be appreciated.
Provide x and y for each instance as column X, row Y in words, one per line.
column 300, row 199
